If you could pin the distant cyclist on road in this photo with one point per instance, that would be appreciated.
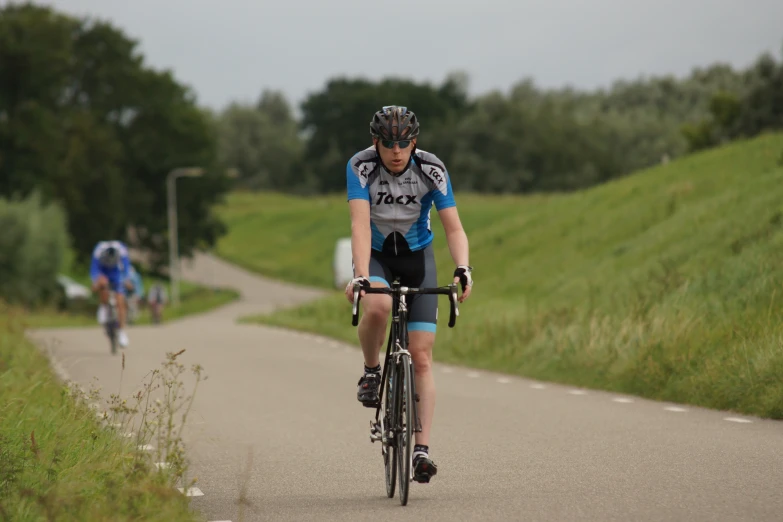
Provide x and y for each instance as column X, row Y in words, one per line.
column 134, row 287
column 156, row 298
column 110, row 270
column 391, row 189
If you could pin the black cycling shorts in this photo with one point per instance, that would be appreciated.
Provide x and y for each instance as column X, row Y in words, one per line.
column 415, row 269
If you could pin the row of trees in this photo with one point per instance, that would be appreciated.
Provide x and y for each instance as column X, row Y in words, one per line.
column 530, row 139
column 85, row 123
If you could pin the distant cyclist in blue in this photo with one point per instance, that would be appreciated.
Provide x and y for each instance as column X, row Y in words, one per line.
column 135, row 284
column 392, row 187
column 109, row 270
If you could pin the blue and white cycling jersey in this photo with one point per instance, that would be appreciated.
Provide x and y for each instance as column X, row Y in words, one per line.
column 115, row 274
column 400, row 204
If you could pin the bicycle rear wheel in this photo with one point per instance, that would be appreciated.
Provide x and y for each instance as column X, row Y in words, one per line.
column 405, row 435
column 388, row 449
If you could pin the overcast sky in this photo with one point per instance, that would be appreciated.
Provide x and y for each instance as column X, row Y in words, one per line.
column 231, row 49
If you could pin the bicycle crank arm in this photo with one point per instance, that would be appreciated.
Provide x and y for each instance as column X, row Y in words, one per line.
column 375, row 432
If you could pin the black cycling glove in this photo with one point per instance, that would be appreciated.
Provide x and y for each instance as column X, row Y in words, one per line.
column 463, row 272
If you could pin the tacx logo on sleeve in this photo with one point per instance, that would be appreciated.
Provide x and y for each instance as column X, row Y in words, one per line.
column 436, row 173
column 389, row 199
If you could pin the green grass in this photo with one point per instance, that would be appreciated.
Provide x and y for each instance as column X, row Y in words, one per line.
column 667, row 284
column 282, row 237
column 56, row 461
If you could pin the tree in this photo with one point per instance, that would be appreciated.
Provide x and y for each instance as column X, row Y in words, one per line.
column 261, row 141
column 762, row 107
column 32, row 247
column 83, row 120
column 337, row 119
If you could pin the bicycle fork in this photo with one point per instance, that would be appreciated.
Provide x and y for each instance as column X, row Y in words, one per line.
column 378, row 430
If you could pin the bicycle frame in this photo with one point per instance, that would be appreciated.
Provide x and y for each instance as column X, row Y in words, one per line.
column 399, row 327
column 395, row 348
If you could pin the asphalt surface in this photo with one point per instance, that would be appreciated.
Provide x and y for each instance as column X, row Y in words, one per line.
column 276, row 432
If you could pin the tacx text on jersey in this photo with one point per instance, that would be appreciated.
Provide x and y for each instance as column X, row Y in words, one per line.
column 400, row 204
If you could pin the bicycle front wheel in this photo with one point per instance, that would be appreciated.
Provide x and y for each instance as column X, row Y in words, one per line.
column 112, row 333
column 405, row 435
column 112, row 327
column 388, row 449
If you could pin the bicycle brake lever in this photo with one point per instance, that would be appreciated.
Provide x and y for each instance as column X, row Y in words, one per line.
column 356, row 297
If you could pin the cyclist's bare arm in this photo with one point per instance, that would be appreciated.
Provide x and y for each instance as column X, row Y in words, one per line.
column 457, row 240
column 360, row 235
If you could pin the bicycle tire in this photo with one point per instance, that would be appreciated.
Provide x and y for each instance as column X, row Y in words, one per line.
column 405, row 435
column 112, row 333
column 112, row 326
column 388, row 450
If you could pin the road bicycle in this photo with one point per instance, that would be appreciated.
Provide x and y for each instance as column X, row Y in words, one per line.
column 394, row 428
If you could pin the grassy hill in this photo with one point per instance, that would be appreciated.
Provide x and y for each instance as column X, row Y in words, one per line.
column 666, row 284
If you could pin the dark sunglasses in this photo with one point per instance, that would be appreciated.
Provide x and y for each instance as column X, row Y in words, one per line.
column 389, row 144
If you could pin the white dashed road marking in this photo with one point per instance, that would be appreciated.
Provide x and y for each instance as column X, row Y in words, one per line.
column 473, row 375
column 738, row 419
column 504, row 380
column 448, row 370
column 537, row 386
column 577, row 392
column 622, row 399
column 676, row 409
column 191, row 492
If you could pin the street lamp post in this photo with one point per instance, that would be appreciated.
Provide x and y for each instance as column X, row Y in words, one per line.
column 190, row 172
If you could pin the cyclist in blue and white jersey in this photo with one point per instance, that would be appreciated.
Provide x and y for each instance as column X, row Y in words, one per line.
column 392, row 187
column 109, row 269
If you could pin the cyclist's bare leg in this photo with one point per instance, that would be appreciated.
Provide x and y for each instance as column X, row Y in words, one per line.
column 121, row 309
column 101, row 287
column 420, row 346
column 372, row 326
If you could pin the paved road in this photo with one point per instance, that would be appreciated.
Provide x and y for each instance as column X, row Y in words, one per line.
column 277, row 424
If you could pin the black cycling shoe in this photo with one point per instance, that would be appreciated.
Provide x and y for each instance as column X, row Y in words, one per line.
column 423, row 469
column 368, row 390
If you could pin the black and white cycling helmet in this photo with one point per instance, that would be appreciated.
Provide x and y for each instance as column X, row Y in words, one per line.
column 394, row 123
column 109, row 257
